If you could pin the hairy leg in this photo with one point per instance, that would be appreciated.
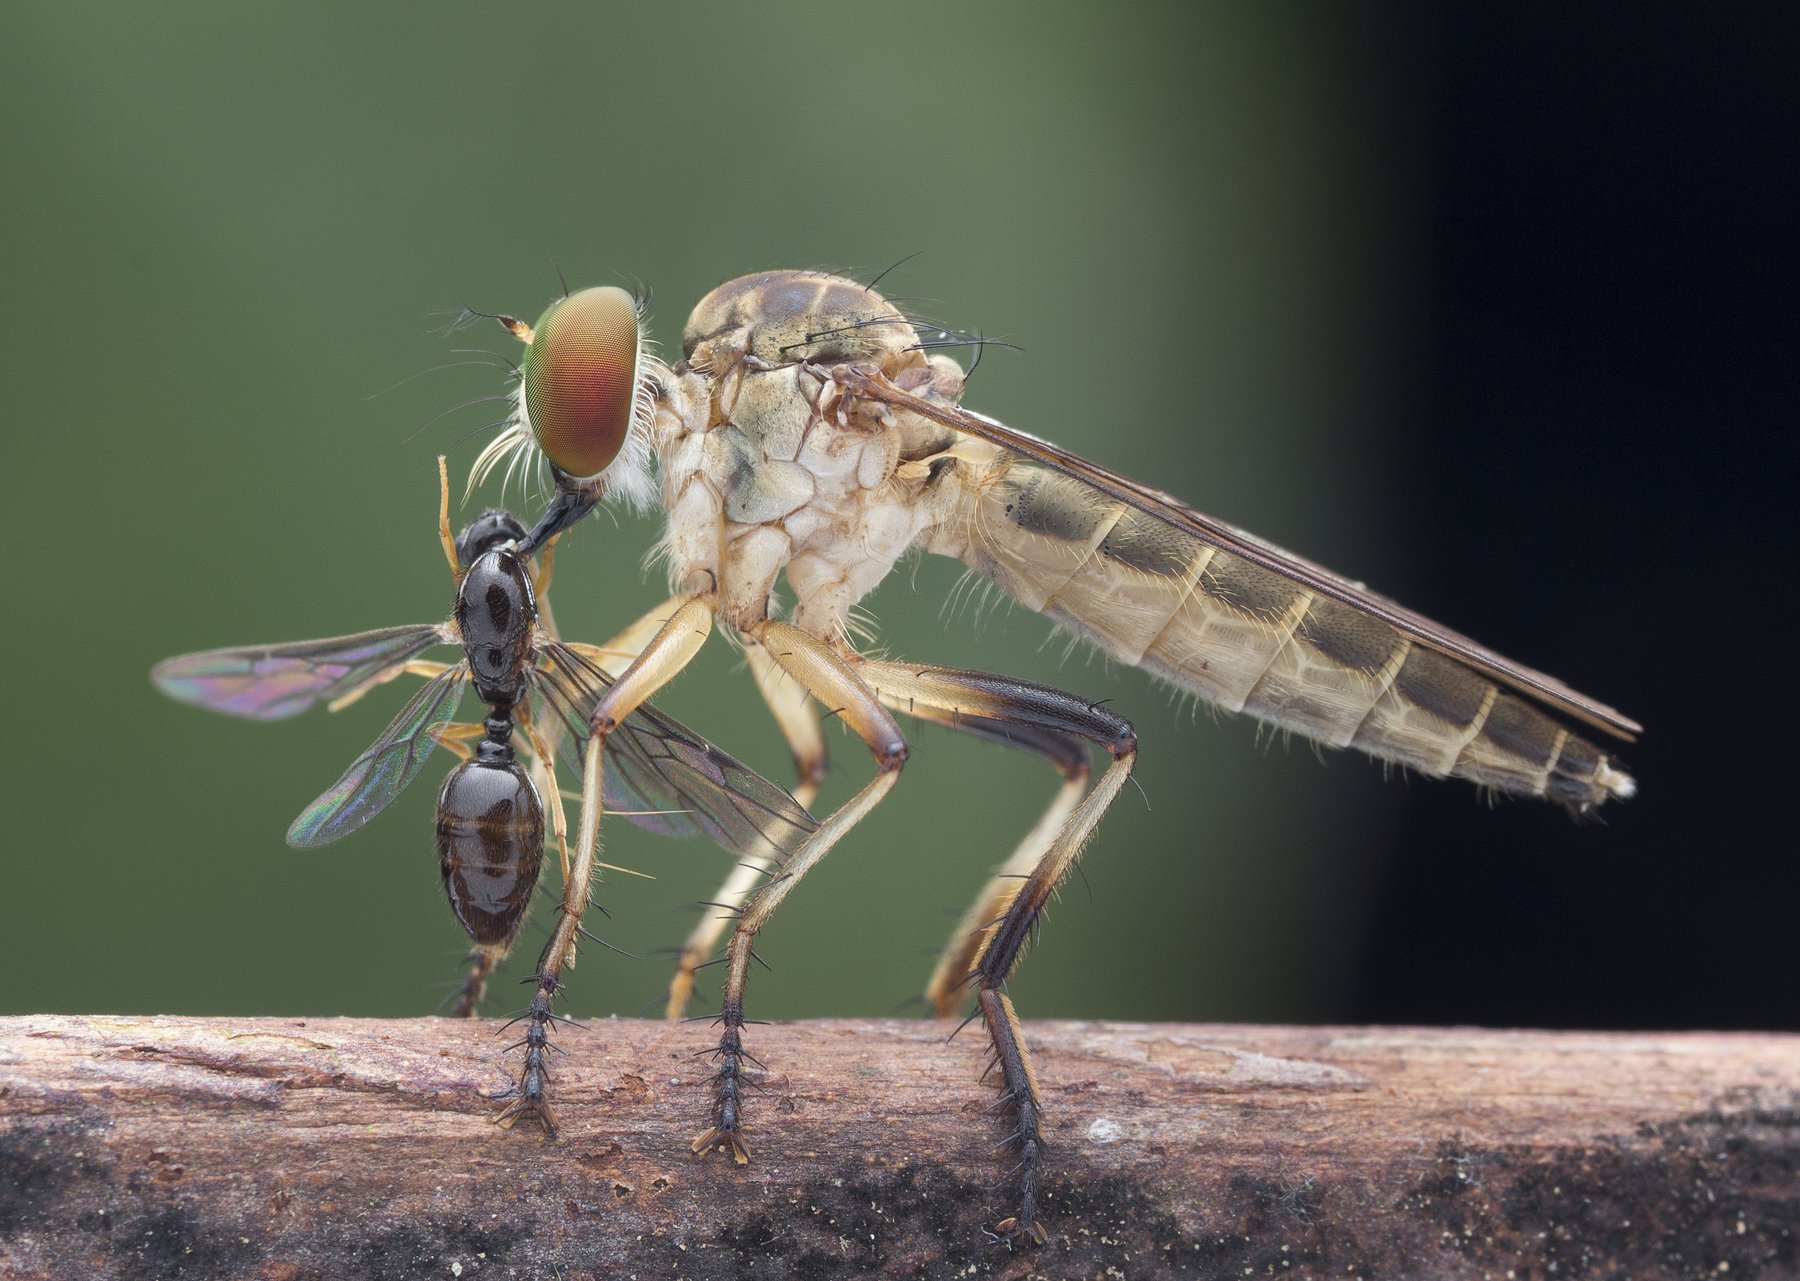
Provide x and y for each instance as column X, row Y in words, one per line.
column 662, row 658
column 830, row 679
column 788, row 701
column 1046, row 718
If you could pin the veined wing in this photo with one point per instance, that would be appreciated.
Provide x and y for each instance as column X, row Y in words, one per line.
column 381, row 773
column 269, row 682
column 1546, row 690
column 677, row 783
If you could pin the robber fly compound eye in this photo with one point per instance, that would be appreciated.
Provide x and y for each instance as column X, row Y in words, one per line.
column 581, row 374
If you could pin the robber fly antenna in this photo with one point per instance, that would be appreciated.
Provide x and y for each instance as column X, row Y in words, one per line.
column 512, row 324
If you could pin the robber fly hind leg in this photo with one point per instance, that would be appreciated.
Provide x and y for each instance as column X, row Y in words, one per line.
column 1011, row 906
column 788, row 701
column 956, row 965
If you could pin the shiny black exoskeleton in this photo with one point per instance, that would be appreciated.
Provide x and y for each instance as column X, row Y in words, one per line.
column 490, row 821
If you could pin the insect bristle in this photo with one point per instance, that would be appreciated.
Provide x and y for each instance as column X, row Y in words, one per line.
column 459, row 319
column 882, row 274
column 860, row 625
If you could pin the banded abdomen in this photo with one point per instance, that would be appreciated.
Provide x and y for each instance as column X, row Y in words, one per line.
column 1251, row 640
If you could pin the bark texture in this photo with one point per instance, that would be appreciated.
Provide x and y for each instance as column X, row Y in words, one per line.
column 284, row 1149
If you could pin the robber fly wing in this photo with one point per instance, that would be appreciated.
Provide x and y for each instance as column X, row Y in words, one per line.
column 382, row 772
column 1315, row 578
column 677, row 782
column 269, row 682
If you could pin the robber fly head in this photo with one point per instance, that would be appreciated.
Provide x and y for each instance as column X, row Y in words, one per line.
column 585, row 398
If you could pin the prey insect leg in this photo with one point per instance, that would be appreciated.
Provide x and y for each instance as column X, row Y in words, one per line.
column 421, row 667
column 456, row 736
column 446, row 539
column 543, row 768
column 827, row 677
column 1010, row 906
column 668, row 651
column 787, row 700
column 482, row 962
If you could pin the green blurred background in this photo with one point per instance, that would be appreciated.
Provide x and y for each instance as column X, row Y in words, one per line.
column 234, row 232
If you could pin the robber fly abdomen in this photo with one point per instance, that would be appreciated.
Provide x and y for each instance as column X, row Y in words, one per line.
column 1251, row 640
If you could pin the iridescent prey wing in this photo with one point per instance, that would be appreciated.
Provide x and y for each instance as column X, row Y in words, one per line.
column 663, row 776
column 381, row 773
column 1547, row 690
column 269, row 682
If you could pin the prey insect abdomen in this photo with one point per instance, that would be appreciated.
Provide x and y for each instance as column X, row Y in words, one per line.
column 490, row 839
column 1251, row 640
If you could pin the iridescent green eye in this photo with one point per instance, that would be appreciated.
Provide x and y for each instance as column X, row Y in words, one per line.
column 581, row 379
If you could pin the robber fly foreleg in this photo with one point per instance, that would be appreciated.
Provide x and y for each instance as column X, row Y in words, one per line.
column 661, row 660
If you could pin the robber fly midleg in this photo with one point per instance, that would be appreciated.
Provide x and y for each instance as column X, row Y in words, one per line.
column 787, row 700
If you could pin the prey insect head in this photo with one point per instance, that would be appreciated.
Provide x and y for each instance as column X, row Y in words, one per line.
column 492, row 529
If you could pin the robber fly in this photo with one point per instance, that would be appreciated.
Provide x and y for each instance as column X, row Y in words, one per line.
column 490, row 814
column 808, row 429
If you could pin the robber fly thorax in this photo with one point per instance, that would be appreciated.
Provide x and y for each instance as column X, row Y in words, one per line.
column 768, row 465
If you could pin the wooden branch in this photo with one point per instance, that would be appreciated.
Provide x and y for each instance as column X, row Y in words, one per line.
column 284, row 1149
